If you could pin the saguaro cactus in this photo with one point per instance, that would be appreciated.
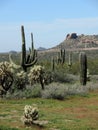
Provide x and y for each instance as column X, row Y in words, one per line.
column 83, row 68
column 26, row 60
column 33, row 54
column 31, row 59
column 70, row 59
column 61, row 57
column 52, row 64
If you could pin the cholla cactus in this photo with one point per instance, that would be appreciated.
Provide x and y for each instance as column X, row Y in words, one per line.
column 31, row 112
column 30, row 115
column 36, row 75
column 20, row 79
column 6, row 77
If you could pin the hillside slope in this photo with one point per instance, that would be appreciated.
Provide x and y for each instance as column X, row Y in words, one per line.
column 79, row 42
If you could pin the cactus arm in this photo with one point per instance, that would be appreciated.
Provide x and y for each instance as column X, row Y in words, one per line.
column 32, row 43
column 12, row 62
column 33, row 51
column 28, row 59
column 31, row 64
column 23, row 55
column 63, row 57
column 52, row 64
column 70, row 60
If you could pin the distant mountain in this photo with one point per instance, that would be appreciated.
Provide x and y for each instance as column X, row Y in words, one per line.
column 41, row 49
column 13, row 52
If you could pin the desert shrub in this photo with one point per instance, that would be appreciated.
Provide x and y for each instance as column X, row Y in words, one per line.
column 48, row 77
column 94, row 78
column 61, row 91
column 76, row 89
column 54, row 91
column 62, row 77
column 91, row 86
column 28, row 92
column 75, row 68
column 93, row 66
column 36, row 91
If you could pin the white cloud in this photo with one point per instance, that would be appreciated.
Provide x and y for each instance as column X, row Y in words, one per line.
column 45, row 34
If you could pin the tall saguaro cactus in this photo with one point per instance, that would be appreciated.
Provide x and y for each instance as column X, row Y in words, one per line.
column 26, row 60
column 83, row 68
column 52, row 64
column 33, row 53
column 23, row 53
column 31, row 58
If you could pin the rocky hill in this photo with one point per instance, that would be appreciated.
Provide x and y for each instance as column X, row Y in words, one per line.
column 74, row 41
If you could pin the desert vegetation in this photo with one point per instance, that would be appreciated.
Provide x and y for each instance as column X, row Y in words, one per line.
column 53, row 80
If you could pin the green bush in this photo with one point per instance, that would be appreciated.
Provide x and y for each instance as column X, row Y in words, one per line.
column 62, row 77
column 28, row 92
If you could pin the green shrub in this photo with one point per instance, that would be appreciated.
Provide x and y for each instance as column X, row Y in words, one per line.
column 28, row 92
column 62, row 77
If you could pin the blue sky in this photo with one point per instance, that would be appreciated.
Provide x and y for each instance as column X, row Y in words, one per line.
column 49, row 20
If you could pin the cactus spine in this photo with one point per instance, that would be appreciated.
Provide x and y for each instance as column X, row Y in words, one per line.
column 83, row 68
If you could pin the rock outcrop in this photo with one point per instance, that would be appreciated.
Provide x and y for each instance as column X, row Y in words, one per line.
column 71, row 36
